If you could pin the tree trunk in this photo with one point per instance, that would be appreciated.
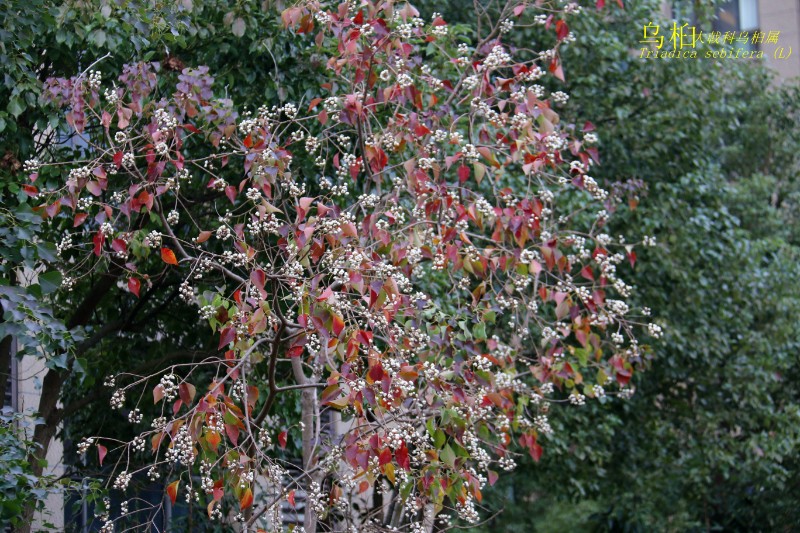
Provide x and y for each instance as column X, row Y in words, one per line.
column 308, row 406
column 6, row 346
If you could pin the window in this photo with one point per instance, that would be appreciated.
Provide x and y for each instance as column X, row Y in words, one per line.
column 739, row 17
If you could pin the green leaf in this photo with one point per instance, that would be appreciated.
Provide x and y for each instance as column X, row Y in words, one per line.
column 238, row 27
column 50, row 281
column 439, row 438
column 99, row 37
column 448, row 456
column 15, row 106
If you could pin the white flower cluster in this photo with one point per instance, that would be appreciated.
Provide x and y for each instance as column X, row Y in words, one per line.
column 577, row 399
column 85, row 444
column 152, row 240
column 467, row 512
column 118, row 399
column 112, row 96
column 169, row 383
column 542, row 424
column 65, row 244
column 135, row 416
column 655, row 330
column 122, row 481
column 560, row 97
column 182, row 448
column 496, row 58
column 165, row 121
column 31, row 165
column 94, row 80
column 594, row 189
column 186, row 292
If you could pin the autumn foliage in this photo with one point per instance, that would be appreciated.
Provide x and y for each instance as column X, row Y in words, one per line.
column 419, row 249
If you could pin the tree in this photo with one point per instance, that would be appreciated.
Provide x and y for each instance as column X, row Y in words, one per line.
column 365, row 251
column 42, row 40
column 706, row 441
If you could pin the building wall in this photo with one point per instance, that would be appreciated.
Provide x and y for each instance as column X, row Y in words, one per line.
column 30, row 372
column 766, row 16
column 783, row 16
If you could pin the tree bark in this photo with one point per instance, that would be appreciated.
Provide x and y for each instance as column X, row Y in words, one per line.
column 5, row 367
column 308, row 400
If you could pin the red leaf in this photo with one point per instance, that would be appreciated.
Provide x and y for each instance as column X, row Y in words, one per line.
column 492, row 477
column 364, row 337
column 118, row 159
column 134, row 285
column 230, row 192
column 30, row 190
column 562, row 31
column 172, row 490
column 53, row 209
column 385, row 457
column 536, row 451
column 187, row 392
column 632, row 258
column 463, row 173
column 247, row 499
column 376, row 372
column 555, row 68
column 203, row 237
column 79, row 218
column 98, row 241
column 213, row 439
column 282, row 439
column 402, row 457
column 291, row 498
column 168, row 256
column 94, row 188
column 118, row 245
column 233, row 433
column 258, row 277
column 338, row 325
column 227, row 336
column 145, row 198
column 101, row 453
column 158, row 393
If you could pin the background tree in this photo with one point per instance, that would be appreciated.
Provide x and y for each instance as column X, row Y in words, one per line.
column 706, row 442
